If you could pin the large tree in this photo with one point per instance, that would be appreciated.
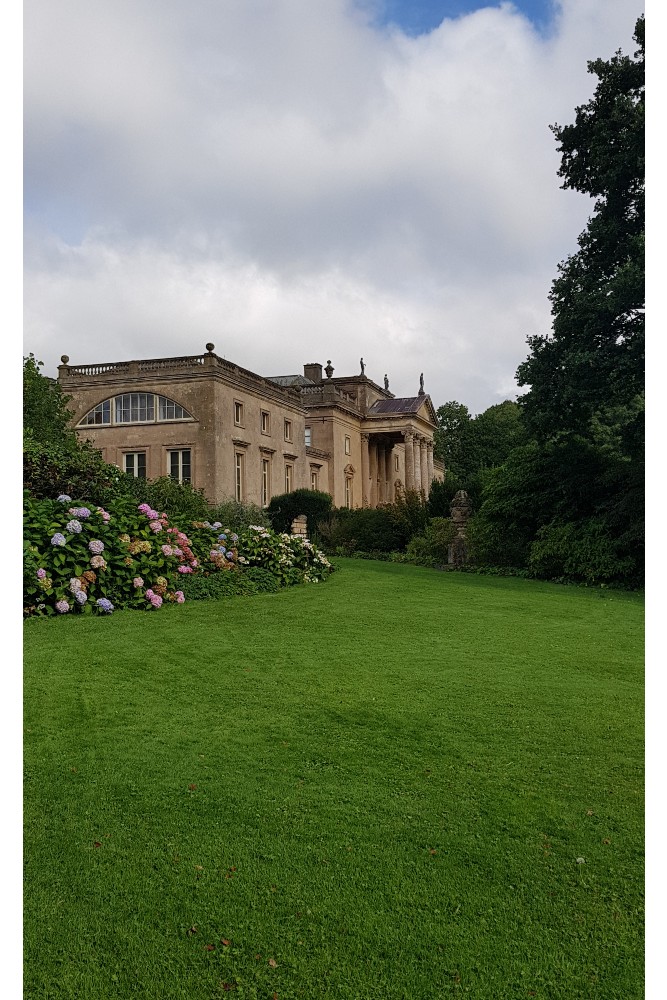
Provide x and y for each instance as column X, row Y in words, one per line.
column 571, row 503
column 590, row 371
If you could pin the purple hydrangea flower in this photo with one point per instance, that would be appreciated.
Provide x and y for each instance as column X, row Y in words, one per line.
column 96, row 546
column 104, row 605
column 74, row 527
column 58, row 539
column 81, row 597
column 63, row 498
column 79, row 512
column 41, row 574
column 62, row 607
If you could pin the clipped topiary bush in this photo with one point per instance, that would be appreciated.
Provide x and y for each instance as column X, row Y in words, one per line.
column 284, row 508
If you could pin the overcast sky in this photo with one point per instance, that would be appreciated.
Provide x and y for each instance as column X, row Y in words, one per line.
column 304, row 180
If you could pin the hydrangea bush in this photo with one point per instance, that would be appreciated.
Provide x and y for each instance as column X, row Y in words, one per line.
column 88, row 560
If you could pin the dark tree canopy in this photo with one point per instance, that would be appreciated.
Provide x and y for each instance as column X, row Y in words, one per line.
column 591, row 368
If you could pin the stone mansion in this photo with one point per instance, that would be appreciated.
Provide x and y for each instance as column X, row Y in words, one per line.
column 232, row 433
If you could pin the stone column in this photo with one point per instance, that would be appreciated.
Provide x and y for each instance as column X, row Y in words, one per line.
column 374, row 474
column 365, row 471
column 418, row 463
column 388, row 473
column 429, row 463
column 409, row 460
column 426, row 482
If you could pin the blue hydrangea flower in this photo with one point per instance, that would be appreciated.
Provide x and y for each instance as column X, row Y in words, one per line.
column 73, row 526
column 81, row 597
column 105, row 605
column 63, row 498
column 58, row 539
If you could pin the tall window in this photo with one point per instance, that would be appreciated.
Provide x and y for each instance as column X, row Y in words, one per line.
column 180, row 467
column 266, row 482
column 288, row 478
column 266, row 422
column 313, row 479
column 347, row 444
column 238, row 414
column 396, row 463
column 288, row 430
column 308, row 437
column 348, row 491
column 135, row 464
column 238, row 475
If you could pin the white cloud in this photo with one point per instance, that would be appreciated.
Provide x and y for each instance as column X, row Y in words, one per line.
column 295, row 185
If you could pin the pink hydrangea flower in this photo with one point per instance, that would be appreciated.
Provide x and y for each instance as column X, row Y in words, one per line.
column 155, row 526
column 156, row 600
column 167, row 550
column 41, row 574
column 62, row 607
column 98, row 562
column 180, row 596
column 138, row 582
column 185, row 569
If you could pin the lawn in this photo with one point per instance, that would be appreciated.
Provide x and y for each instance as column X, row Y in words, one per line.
column 397, row 784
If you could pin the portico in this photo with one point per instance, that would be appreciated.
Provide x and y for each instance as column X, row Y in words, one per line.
column 392, row 427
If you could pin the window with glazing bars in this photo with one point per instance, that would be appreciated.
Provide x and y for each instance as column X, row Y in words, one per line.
column 135, row 407
column 180, row 467
column 135, row 464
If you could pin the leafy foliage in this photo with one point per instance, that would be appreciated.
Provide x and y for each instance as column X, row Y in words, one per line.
column 45, row 414
column 431, row 547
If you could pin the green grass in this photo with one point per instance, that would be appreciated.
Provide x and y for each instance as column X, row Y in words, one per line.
column 381, row 784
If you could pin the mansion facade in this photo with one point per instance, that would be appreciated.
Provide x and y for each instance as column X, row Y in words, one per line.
column 232, row 433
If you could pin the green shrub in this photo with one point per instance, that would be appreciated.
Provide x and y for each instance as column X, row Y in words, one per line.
column 264, row 580
column 216, row 585
column 50, row 469
column 181, row 501
column 284, row 508
column 431, row 548
column 582, row 550
column 237, row 515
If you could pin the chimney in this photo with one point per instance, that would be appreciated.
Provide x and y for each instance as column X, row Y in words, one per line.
column 313, row 372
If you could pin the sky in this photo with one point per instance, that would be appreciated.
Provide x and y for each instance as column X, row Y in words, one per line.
column 300, row 182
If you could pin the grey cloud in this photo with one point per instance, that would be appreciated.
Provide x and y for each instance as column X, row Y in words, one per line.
column 284, row 173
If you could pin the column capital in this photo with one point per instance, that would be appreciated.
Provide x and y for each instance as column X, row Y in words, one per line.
column 365, row 435
column 408, row 434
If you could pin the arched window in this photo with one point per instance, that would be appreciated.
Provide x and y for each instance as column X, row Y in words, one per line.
column 134, row 408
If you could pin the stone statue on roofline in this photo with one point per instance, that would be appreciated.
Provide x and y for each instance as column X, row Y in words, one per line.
column 386, row 383
column 329, row 369
column 363, row 366
column 421, row 384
